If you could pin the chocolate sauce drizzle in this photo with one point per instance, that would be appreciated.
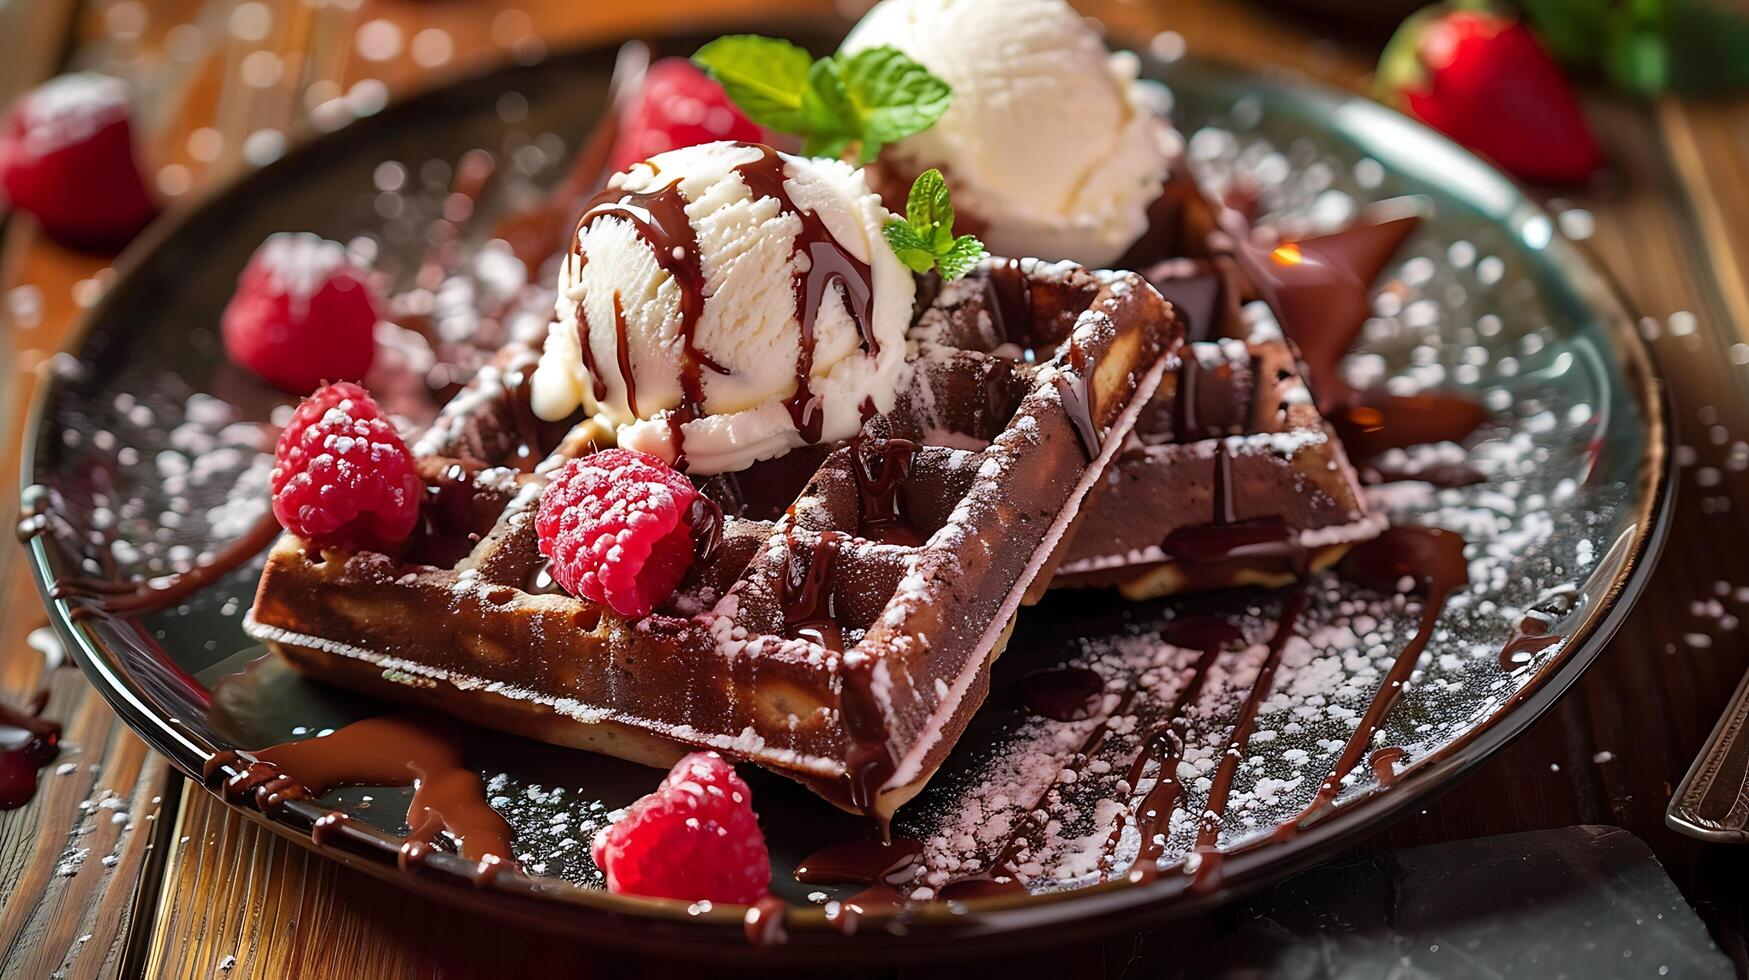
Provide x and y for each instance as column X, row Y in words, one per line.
column 1164, row 747
column 124, row 597
column 705, row 518
column 1208, row 855
column 526, row 450
column 1534, row 634
column 395, row 750
column 884, row 515
column 1225, row 536
column 659, row 217
column 1433, row 560
column 28, row 742
column 1383, row 763
column 810, row 609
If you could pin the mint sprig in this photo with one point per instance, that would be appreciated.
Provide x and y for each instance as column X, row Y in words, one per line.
column 860, row 101
column 924, row 238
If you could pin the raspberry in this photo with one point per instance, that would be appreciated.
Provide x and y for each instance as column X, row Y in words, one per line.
column 342, row 476
column 67, row 157
column 302, row 314
column 695, row 839
column 679, row 106
column 614, row 526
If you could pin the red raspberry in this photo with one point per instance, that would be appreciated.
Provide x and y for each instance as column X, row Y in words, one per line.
column 696, row 839
column 679, row 106
column 614, row 525
column 67, row 156
column 342, row 476
column 301, row 314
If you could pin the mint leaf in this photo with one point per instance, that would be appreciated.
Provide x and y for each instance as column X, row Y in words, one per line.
column 894, row 96
column 929, row 209
column 765, row 76
column 924, row 238
column 828, row 115
column 959, row 258
column 909, row 246
column 866, row 100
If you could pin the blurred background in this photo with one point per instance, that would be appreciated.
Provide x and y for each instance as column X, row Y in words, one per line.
column 220, row 86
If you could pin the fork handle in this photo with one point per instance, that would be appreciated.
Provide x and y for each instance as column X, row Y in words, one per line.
column 1712, row 802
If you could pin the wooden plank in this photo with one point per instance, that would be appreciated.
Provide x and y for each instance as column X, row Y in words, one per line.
column 72, row 860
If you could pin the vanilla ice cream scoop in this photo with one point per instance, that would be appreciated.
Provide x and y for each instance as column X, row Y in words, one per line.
column 1050, row 145
column 726, row 303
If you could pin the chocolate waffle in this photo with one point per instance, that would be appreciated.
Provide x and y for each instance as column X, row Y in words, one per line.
column 846, row 601
column 1231, row 478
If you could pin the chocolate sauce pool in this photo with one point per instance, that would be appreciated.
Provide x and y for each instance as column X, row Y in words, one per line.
column 394, row 750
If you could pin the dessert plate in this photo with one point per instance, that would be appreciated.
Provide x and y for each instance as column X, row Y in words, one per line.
column 150, row 445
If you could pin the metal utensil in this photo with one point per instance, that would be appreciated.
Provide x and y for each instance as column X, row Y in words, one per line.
column 1712, row 802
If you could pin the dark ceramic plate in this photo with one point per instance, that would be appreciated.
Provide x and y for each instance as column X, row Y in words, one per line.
column 1488, row 296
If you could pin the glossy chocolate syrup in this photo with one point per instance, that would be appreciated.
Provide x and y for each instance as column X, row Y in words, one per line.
column 1063, row 693
column 396, row 750
column 1009, row 292
column 1195, row 298
column 1225, row 536
column 1534, row 634
column 1207, row 855
column 809, row 606
column 868, row 759
column 659, row 217
column 881, row 470
column 1433, row 560
column 705, row 519
column 806, row 594
column 526, row 449
column 763, row 922
column 829, row 268
column 143, row 597
column 863, row 862
column 1383, row 763
column 883, row 867
column 1163, row 749
column 28, row 742
column 448, row 527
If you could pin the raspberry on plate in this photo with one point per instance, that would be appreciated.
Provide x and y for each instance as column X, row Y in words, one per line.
column 67, row 157
column 613, row 525
column 342, row 477
column 696, row 838
column 302, row 314
column 679, row 106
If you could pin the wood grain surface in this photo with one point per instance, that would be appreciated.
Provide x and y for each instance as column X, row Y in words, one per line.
column 233, row 900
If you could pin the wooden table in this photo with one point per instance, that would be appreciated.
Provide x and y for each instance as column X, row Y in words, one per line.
column 121, row 866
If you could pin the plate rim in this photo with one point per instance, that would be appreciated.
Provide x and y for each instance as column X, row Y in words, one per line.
column 934, row 929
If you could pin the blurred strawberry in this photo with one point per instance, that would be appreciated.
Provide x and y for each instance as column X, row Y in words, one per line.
column 678, row 106
column 1483, row 79
column 67, row 157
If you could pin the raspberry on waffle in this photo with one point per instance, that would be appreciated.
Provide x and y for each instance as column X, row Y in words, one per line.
column 845, row 601
column 1231, row 478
